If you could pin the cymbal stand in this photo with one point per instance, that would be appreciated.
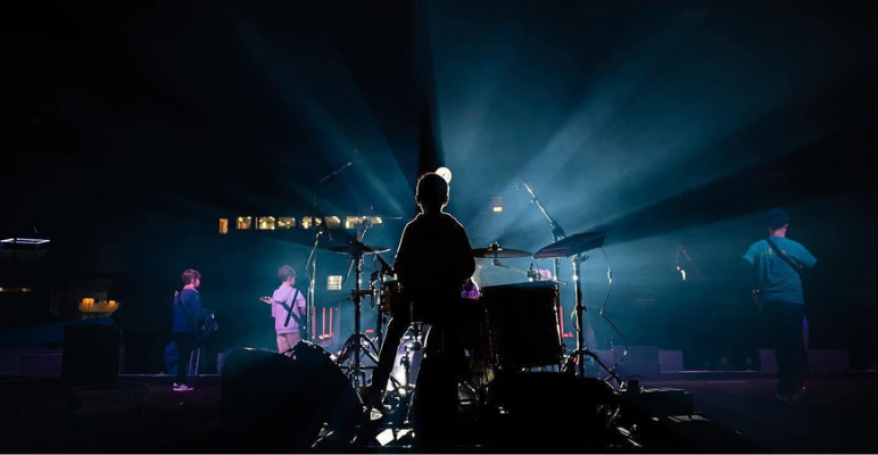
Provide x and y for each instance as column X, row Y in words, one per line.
column 581, row 349
column 376, row 277
column 355, row 343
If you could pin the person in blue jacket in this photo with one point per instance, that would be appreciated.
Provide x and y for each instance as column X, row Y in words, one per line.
column 188, row 315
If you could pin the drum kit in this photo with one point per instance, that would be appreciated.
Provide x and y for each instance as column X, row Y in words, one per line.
column 511, row 327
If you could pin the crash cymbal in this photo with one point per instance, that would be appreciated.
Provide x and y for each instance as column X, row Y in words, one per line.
column 356, row 248
column 496, row 251
column 573, row 245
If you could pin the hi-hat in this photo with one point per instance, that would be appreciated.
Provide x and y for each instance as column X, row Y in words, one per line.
column 495, row 251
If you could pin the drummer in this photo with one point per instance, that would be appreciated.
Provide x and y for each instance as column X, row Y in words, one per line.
column 433, row 262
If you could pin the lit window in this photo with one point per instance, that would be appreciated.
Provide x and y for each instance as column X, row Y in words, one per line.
column 266, row 223
column 351, row 222
column 333, row 282
column 286, row 222
column 307, row 221
column 244, row 222
column 332, row 222
column 318, row 221
column 223, row 226
column 26, row 290
column 376, row 220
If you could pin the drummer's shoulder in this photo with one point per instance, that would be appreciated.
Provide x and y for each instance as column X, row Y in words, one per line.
column 452, row 219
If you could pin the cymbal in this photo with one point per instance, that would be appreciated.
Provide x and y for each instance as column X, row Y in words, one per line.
column 573, row 245
column 496, row 251
column 356, row 248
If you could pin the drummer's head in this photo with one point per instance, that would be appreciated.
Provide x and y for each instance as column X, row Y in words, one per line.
column 432, row 193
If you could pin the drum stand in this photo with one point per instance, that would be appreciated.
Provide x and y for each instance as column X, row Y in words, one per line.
column 581, row 349
column 357, row 345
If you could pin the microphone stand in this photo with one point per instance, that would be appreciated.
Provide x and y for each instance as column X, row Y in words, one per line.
column 559, row 234
column 311, row 307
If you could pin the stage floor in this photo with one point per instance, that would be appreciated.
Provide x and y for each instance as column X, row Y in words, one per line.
column 836, row 415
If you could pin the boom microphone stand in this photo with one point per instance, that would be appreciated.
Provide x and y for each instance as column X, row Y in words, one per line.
column 557, row 234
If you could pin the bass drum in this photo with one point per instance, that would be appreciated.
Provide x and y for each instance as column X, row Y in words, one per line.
column 523, row 324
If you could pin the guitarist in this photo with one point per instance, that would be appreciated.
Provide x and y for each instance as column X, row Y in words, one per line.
column 288, row 309
column 777, row 264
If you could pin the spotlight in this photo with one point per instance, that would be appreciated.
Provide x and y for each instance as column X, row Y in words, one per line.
column 445, row 173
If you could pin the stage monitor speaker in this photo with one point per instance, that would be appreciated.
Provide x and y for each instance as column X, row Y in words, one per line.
column 547, row 411
column 91, row 355
column 525, row 395
column 273, row 403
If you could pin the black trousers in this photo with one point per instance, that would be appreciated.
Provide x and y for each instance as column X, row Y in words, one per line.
column 434, row 407
column 785, row 324
column 435, row 400
column 431, row 311
column 185, row 343
column 395, row 330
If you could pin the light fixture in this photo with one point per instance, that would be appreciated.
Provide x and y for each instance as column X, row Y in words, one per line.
column 25, row 241
column 445, row 173
column 497, row 205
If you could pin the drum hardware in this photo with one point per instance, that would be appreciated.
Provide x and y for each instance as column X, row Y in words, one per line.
column 495, row 251
column 520, row 325
column 574, row 247
column 557, row 235
column 357, row 344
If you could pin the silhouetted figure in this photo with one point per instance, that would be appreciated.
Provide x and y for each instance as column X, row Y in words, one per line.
column 778, row 290
column 433, row 262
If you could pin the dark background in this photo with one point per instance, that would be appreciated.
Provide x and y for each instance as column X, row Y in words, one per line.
column 129, row 130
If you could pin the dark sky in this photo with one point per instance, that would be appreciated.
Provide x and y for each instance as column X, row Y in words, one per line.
column 662, row 123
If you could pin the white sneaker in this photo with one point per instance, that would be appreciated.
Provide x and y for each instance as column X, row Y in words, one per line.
column 183, row 388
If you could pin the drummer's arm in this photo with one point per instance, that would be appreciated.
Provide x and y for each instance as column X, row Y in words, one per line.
column 466, row 261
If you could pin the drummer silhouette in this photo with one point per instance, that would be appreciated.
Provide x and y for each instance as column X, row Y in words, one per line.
column 433, row 262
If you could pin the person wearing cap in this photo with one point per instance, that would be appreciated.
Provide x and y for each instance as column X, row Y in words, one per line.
column 778, row 287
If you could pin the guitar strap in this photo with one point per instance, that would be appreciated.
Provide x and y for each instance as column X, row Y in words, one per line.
column 798, row 268
column 289, row 308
